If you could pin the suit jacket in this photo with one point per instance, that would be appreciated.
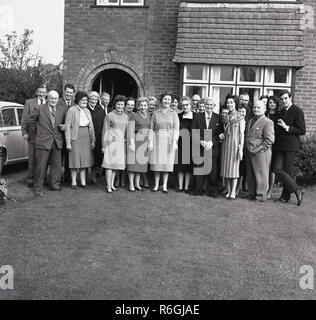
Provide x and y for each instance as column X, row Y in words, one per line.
column 29, row 107
column 199, row 123
column 46, row 133
column 259, row 135
column 63, row 103
column 289, row 141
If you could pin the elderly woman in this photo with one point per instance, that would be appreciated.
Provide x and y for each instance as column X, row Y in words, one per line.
column 137, row 155
column 80, row 138
column 175, row 104
column 114, row 142
column 163, row 140
column 184, row 165
column 273, row 108
column 97, row 115
column 232, row 145
column 201, row 106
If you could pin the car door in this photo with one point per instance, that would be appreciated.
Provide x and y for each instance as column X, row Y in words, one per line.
column 19, row 112
column 10, row 134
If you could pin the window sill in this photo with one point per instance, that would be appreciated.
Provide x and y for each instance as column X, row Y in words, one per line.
column 121, row 7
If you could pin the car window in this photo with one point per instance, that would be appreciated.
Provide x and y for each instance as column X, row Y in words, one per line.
column 8, row 118
column 20, row 112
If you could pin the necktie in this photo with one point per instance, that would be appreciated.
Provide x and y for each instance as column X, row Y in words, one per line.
column 42, row 101
column 53, row 113
column 253, row 121
column 68, row 103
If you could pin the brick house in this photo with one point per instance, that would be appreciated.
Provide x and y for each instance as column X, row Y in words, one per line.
column 143, row 47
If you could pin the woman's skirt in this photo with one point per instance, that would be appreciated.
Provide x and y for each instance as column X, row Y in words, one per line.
column 81, row 155
column 137, row 161
column 115, row 155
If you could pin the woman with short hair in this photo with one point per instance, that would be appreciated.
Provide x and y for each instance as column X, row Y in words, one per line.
column 137, row 155
column 163, row 140
column 80, row 138
column 114, row 142
column 232, row 145
column 152, row 105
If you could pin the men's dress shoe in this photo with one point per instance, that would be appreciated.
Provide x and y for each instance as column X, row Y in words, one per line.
column 299, row 195
column 281, row 200
column 54, row 188
column 74, row 187
column 197, row 193
column 30, row 185
column 187, row 191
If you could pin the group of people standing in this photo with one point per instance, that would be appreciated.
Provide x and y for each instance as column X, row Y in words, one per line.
column 146, row 139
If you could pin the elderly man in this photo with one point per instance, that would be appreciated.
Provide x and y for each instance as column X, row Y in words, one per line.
column 259, row 139
column 195, row 99
column 104, row 102
column 49, row 121
column 210, row 127
column 28, row 133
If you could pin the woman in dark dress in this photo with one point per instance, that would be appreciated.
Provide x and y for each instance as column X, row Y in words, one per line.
column 184, row 163
column 97, row 115
column 273, row 114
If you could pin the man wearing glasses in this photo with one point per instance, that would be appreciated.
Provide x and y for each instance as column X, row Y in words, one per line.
column 290, row 125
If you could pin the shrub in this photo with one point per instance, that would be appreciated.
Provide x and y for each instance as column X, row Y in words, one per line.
column 306, row 159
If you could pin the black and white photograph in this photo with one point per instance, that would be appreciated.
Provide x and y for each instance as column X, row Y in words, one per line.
column 157, row 150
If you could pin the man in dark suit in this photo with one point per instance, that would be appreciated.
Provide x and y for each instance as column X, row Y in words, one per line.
column 28, row 133
column 67, row 101
column 209, row 126
column 290, row 125
column 259, row 139
column 50, row 124
column 104, row 102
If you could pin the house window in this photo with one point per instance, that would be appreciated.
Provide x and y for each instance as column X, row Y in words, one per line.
column 119, row 2
column 218, row 81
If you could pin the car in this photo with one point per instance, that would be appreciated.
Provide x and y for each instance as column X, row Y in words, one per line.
column 13, row 147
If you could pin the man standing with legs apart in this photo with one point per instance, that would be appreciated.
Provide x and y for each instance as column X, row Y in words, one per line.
column 290, row 125
column 259, row 139
column 28, row 133
column 50, row 124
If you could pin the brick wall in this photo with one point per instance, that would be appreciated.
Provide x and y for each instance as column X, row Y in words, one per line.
column 140, row 39
column 305, row 86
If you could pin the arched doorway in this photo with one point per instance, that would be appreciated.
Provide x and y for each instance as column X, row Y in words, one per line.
column 116, row 81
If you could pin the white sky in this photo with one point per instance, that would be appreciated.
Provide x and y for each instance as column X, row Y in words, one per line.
column 45, row 17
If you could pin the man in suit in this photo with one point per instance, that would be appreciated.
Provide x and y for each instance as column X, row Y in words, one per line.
column 104, row 102
column 67, row 101
column 195, row 99
column 259, row 139
column 290, row 125
column 50, row 124
column 209, row 126
column 28, row 133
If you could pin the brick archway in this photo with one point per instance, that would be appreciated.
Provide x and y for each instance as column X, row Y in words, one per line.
column 93, row 68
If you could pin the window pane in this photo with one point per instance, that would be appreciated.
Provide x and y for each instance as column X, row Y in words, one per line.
column 196, row 72
column 20, row 112
column 140, row 2
column 223, row 73
column 254, row 94
column 192, row 90
column 107, row 2
column 274, row 91
column 278, row 75
column 249, row 74
column 9, row 119
column 219, row 94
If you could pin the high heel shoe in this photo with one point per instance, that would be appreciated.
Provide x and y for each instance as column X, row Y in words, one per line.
column 227, row 195
column 138, row 188
column 113, row 189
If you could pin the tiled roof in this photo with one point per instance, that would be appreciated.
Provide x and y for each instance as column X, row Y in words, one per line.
column 243, row 34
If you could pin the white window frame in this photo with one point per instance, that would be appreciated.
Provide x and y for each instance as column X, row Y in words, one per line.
column 119, row 3
column 250, row 87
column 277, row 84
column 219, row 81
column 250, row 83
column 206, row 81
column 185, row 85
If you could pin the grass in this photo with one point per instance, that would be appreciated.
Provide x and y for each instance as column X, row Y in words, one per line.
column 87, row 244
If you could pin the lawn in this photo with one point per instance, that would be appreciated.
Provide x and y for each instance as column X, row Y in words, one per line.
column 87, row 244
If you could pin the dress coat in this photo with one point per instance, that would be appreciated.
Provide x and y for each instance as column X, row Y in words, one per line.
column 29, row 107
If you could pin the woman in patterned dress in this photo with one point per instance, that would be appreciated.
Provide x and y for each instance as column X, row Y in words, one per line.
column 137, row 154
column 232, row 145
column 163, row 141
column 114, row 142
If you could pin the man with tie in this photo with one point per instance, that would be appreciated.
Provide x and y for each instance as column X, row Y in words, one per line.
column 259, row 139
column 28, row 133
column 50, row 124
column 104, row 102
column 67, row 101
column 290, row 125
column 210, row 127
